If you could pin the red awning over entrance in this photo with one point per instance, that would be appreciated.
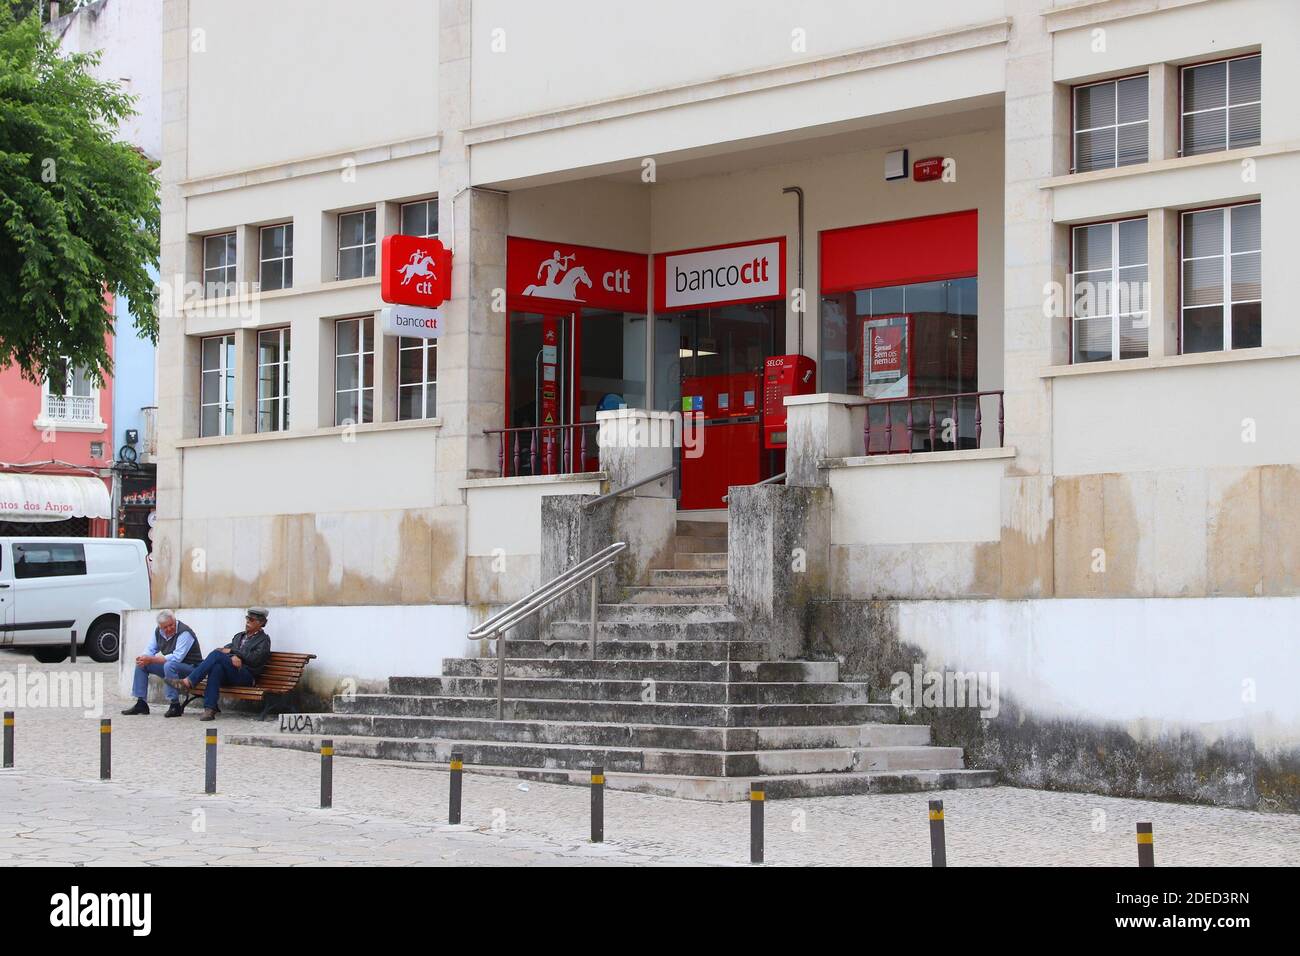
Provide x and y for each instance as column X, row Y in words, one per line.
column 928, row 249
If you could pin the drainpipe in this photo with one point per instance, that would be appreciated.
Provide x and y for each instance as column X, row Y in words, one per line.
column 802, row 291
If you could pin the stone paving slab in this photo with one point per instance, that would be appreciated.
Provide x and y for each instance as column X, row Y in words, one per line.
column 53, row 808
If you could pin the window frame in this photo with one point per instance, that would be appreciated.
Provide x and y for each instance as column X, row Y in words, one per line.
column 286, row 261
column 282, row 380
column 225, row 406
column 231, row 249
column 428, row 349
column 1227, row 105
column 432, row 203
column 20, row 549
column 1074, row 114
column 362, row 385
column 363, row 245
column 1228, row 302
column 1113, row 310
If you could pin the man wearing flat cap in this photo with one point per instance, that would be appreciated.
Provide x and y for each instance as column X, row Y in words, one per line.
column 238, row 663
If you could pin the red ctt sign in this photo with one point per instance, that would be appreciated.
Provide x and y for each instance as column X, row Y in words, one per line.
column 415, row 271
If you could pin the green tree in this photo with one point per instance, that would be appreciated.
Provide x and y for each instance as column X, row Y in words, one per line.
column 78, row 209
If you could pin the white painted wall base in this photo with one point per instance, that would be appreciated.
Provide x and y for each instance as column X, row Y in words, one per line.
column 366, row 644
column 1225, row 666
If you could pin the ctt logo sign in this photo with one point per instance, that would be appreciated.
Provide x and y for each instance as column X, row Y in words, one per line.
column 415, row 272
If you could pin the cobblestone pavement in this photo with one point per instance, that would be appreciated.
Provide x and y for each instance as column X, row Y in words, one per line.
column 54, row 809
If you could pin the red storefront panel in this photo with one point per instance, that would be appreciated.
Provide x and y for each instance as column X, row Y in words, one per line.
column 927, row 249
column 559, row 272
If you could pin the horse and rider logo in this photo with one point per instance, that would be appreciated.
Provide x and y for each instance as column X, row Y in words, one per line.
column 419, row 264
column 562, row 279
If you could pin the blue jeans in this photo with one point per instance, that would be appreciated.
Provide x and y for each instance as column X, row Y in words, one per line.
column 174, row 669
column 219, row 671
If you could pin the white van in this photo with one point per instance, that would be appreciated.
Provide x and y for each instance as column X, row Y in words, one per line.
column 50, row 587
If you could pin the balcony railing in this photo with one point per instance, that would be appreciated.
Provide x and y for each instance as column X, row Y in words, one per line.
column 901, row 426
column 546, row 449
column 72, row 409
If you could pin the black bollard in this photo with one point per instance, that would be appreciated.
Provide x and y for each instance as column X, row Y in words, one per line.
column 9, row 739
column 326, row 774
column 210, row 761
column 597, row 804
column 74, row 647
column 457, row 771
column 1146, row 846
column 757, row 797
column 105, row 749
column 938, row 852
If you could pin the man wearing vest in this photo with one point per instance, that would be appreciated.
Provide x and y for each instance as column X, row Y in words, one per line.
column 238, row 663
column 173, row 653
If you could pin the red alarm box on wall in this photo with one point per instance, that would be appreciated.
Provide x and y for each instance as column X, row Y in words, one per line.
column 784, row 375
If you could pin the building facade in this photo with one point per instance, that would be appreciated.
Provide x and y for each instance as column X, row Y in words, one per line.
column 1034, row 251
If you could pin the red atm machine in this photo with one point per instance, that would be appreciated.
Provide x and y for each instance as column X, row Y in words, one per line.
column 724, row 450
column 784, row 375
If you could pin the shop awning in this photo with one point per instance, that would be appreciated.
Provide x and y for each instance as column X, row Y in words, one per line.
column 52, row 497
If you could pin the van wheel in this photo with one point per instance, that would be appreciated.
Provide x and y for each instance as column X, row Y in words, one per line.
column 102, row 642
column 51, row 655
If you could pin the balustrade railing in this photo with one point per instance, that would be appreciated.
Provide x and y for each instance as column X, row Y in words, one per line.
column 546, row 449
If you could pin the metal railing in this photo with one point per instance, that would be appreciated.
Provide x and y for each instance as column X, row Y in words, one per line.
column 610, row 496
column 586, row 570
column 545, row 449
column 73, row 409
column 766, row 481
column 937, row 428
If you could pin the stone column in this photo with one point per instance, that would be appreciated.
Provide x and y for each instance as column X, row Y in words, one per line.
column 817, row 427
column 778, row 561
column 178, row 360
column 1037, row 147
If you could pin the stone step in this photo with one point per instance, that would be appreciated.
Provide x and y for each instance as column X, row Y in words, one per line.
column 632, row 649
column 675, row 577
column 595, row 734
column 700, row 560
column 709, row 763
column 699, row 543
column 676, row 594
column 665, row 613
column 544, row 764
column 706, row 529
column 665, row 691
column 639, row 670
column 637, row 711
column 646, row 630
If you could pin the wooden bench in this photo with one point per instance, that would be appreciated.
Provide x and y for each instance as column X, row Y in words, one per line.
column 279, row 678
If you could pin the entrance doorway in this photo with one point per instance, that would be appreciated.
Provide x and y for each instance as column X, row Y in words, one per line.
column 710, row 364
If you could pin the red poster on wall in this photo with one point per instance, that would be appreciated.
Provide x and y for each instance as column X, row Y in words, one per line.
column 886, row 349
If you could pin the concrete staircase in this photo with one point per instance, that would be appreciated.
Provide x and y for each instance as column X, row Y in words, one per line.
column 678, row 702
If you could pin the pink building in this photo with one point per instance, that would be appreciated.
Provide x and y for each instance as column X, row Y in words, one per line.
column 56, row 452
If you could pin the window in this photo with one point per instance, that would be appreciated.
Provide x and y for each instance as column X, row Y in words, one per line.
column 420, row 218
column 218, row 265
column 1221, row 105
column 354, row 371
column 356, row 244
column 276, row 257
column 1222, row 292
column 1109, row 264
column 74, row 402
column 217, row 386
column 40, row 560
column 273, row 380
column 417, row 378
column 1110, row 124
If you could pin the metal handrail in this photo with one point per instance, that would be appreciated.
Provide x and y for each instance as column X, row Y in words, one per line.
column 533, row 602
column 766, row 481
column 609, row 496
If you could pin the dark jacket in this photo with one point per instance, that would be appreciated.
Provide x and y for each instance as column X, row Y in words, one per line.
column 167, row 644
column 252, row 649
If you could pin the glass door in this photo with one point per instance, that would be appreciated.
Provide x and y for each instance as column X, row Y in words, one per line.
column 540, row 397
